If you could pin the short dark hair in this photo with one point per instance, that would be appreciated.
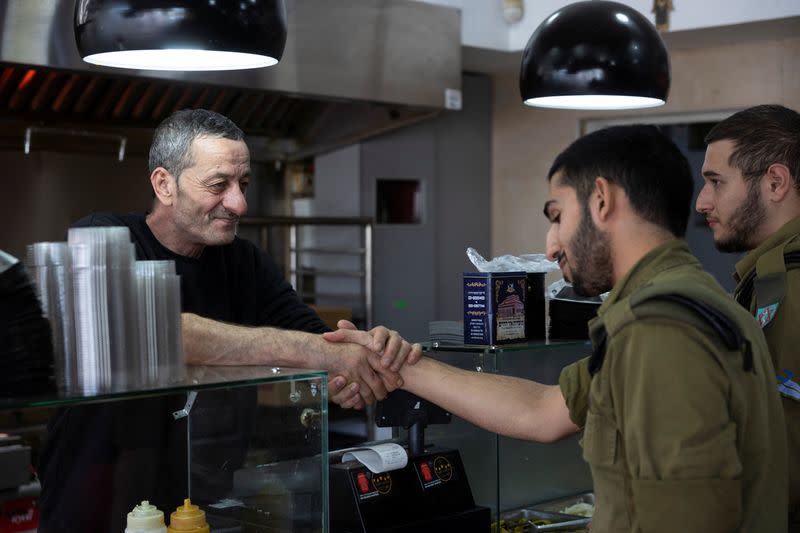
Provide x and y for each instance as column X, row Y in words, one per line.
column 643, row 161
column 763, row 135
column 172, row 140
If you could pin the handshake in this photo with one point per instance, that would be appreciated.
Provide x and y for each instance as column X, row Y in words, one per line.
column 364, row 366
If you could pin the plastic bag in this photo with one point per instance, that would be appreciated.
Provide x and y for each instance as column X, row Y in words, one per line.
column 562, row 290
column 512, row 263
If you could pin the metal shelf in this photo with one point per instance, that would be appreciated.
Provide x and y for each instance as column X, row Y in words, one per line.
column 330, row 273
column 332, row 251
column 331, row 295
column 296, row 271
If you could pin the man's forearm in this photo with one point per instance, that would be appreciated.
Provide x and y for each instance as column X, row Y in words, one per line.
column 507, row 405
column 209, row 342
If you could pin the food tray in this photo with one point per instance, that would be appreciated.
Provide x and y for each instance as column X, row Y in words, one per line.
column 562, row 503
column 545, row 516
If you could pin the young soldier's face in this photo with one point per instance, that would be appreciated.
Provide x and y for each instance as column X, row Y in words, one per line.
column 210, row 193
column 582, row 251
column 732, row 206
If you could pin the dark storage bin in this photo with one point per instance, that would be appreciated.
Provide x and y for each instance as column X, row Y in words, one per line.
column 535, row 307
column 569, row 320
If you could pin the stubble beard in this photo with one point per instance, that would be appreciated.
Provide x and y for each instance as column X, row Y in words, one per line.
column 591, row 258
column 749, row 216
column 199, row 228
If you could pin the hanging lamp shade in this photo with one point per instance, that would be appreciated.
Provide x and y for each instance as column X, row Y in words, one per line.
column 595, row 55
column 181, row 34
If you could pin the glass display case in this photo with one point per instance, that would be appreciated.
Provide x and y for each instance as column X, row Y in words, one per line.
column 247, row 444
column 509, row 474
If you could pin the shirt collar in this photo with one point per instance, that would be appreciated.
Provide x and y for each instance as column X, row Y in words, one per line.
column 664, row 257
column 782, row 236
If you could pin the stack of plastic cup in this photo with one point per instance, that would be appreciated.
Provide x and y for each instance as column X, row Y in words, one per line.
column 159, row 314
column 104, row 299
column 49, row 266
column 116, row 321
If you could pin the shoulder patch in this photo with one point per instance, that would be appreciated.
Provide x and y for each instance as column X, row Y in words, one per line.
column 765, row 314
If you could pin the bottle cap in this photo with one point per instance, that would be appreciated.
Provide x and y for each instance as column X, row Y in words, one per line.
column 188, row 518
column 145, row 518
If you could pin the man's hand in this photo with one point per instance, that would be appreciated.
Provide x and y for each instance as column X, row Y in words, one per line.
column 394, row 351
column 344, row 395
column 355, row 364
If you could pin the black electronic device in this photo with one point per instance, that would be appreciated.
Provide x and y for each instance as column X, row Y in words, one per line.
column 430, row 494
column 403, row 409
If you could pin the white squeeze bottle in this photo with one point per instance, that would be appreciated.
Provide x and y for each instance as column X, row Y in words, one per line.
column 146, row 518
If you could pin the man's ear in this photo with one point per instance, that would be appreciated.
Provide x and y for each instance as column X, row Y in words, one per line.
column 602, row 200
column 778, row 182
column 163, row 185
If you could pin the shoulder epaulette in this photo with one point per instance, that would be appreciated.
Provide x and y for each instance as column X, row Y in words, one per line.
column 745, row 294
column 720, row 323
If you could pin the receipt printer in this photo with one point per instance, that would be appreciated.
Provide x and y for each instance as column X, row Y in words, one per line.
column 430, row 494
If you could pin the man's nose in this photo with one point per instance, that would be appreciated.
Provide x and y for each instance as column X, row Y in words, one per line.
column 235, row 202
column 552, row 246
column 703, row 203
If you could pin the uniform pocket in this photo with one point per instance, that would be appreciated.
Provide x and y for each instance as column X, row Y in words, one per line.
column 599, row 441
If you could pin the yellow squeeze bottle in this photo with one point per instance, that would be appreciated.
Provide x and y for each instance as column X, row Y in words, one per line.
column 188, row 519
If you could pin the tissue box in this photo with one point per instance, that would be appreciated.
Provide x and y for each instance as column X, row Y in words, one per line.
column 494, row 307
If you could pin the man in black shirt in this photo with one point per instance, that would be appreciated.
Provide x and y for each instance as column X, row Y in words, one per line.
column 199, row 172
column 236, row 310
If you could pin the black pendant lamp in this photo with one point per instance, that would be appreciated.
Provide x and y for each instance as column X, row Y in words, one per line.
column 595, row 55
column 181, row 34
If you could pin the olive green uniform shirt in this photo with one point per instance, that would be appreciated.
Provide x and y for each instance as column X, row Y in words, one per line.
column 679, row 437
column 783, row 338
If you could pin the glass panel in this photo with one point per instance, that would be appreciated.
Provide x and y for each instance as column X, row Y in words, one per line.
column 255, row 447
column 257, row 457
column 478, row 447
column 197, row 378
column 531, row 472
column 508, row 473
column 531, row 346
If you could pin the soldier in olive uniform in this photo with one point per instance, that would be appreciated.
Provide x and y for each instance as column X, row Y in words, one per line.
column 751, row 199
column 683, row 428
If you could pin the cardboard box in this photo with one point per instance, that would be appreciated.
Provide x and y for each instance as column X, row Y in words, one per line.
column 494, row 307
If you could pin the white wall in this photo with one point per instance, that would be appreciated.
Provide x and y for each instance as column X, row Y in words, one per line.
column 483, row 25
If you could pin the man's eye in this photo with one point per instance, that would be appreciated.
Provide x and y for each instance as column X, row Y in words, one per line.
column 217, row 186
column 243, row 185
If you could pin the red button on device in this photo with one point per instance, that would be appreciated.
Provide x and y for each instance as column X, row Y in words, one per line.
column 426, row 471
column 363, row 483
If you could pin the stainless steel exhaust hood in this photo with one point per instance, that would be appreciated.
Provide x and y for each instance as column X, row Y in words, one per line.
column 351, row 69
